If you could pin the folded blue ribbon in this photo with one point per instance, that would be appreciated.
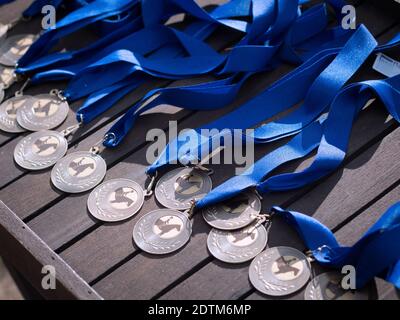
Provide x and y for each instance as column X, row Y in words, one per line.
column 376, row 254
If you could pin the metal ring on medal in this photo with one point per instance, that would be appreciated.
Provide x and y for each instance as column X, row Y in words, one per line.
column 43, row 112
column 279, row 271
column 177, row 188
column 78, row 172
column 116, row 200
column 234, row 214
column 162, row 231
column 8, row 113
column 327, row 286
column 14, row 47
column 237, row 246
column 40, row 150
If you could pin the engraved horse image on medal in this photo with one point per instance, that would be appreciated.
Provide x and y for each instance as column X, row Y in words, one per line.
column 9, row 110
column 168, row 225
column 79, row 167
column 285, row 265
column 43, row 109
column 237, row 205
column 45, row 145
column 122, row 197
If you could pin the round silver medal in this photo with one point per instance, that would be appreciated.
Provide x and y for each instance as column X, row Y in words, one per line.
column 327, row 286
column 234, row 214
column 8, row 113
column 237, row 246
column 14, row 47
column 116, row 200
column 279, row 271
column 44, row 112
column 7, row 77
column 162, row 231
column 40, row 150
column 177, row 188
column 78, row 172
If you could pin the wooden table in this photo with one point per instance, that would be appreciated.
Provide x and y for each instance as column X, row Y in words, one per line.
column 42, row 226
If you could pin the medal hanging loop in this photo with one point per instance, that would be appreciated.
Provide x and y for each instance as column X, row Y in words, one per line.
column 98, row 147
column 191, row 211
column 20, row 92
column 149, row 189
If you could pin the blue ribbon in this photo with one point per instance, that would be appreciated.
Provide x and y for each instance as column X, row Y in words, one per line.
column 376, row 254
column 92, row 12
column 307, row 82
column 252, row 53
column 332, row 142
column 217, row 94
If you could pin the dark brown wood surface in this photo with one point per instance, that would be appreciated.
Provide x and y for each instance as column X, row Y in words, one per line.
column 102, row 258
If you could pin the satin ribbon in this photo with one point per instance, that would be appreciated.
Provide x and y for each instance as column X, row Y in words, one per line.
column 114, row 92
column 332, row 144
column 200, row 58
column 376, row 254
column 92, row 12
column 307, row 82
column 217, row 94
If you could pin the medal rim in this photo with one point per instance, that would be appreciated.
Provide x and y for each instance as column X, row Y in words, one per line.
column 216, row 223
column 279, row 293
column 48, row 123
column 4, row 115
column 182, row 206
column 5, row 59
column 220, row 257
column 101, row 163
column 92, row 200
column 63, row 148
column 311, row 286
column 146, row 246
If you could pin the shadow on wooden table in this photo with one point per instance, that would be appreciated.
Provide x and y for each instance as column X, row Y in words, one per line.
column 8, row 288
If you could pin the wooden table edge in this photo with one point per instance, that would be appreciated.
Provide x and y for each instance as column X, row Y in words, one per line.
column 28, row 254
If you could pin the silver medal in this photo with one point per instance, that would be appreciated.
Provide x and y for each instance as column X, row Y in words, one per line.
column 279, row 271
column 14, row 47
column 116, row 200
column 177, row 188
column 7, row 77
column 234, row 214
column 327, row 286
column 237, row 246
column 78, row 172
column 44, row 112
column 8, row 113
column 40, row 150
column 162, row 231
